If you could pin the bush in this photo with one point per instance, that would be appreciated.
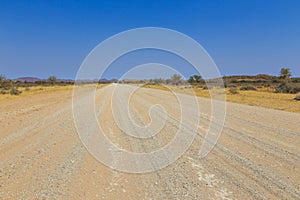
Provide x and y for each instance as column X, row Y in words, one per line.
column 275, row 81
column 52, row 79
column 15, row 91
column 297, row 98
column 6, row 85
column 233, row 90
column 288, row 88
column 248, row 87
column 3, row 92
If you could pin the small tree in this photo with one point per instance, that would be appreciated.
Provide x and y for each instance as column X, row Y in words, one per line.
column 191, row 80
column 176, row 79
column 285, row 73
column 52, row 79
column 195, row 79
column 198, row 78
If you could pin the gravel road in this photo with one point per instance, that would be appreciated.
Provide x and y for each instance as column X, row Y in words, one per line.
column 257, row 155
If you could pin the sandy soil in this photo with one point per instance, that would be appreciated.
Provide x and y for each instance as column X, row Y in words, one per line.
column 257, row 155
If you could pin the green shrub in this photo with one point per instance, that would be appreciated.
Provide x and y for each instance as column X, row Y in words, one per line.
column 6, row 85
column 15, row 91
column 248, row 87
column 233, row 90
column 290, row 88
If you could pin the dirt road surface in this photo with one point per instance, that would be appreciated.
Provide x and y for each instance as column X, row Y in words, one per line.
column 256, row 157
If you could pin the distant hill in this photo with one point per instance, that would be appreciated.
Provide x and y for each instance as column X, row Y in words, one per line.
column 259, row 76
column 34, row 79
column 104, row 80
column 28, row 79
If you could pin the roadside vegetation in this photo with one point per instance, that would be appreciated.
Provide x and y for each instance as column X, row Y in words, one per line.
column 13, row 88
column 262, row 97
column 276, row 92
column 280, row 92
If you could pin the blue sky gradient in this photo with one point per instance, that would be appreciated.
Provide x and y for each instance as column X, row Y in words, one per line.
column 42, row 38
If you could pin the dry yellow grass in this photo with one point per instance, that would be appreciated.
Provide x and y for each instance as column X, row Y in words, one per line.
column 276, row 101
column 263, row 97
column 29, row 91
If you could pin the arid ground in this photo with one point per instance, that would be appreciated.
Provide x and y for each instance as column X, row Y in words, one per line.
column 256, row 157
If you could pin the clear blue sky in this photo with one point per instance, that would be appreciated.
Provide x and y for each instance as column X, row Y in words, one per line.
column 42, row 38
